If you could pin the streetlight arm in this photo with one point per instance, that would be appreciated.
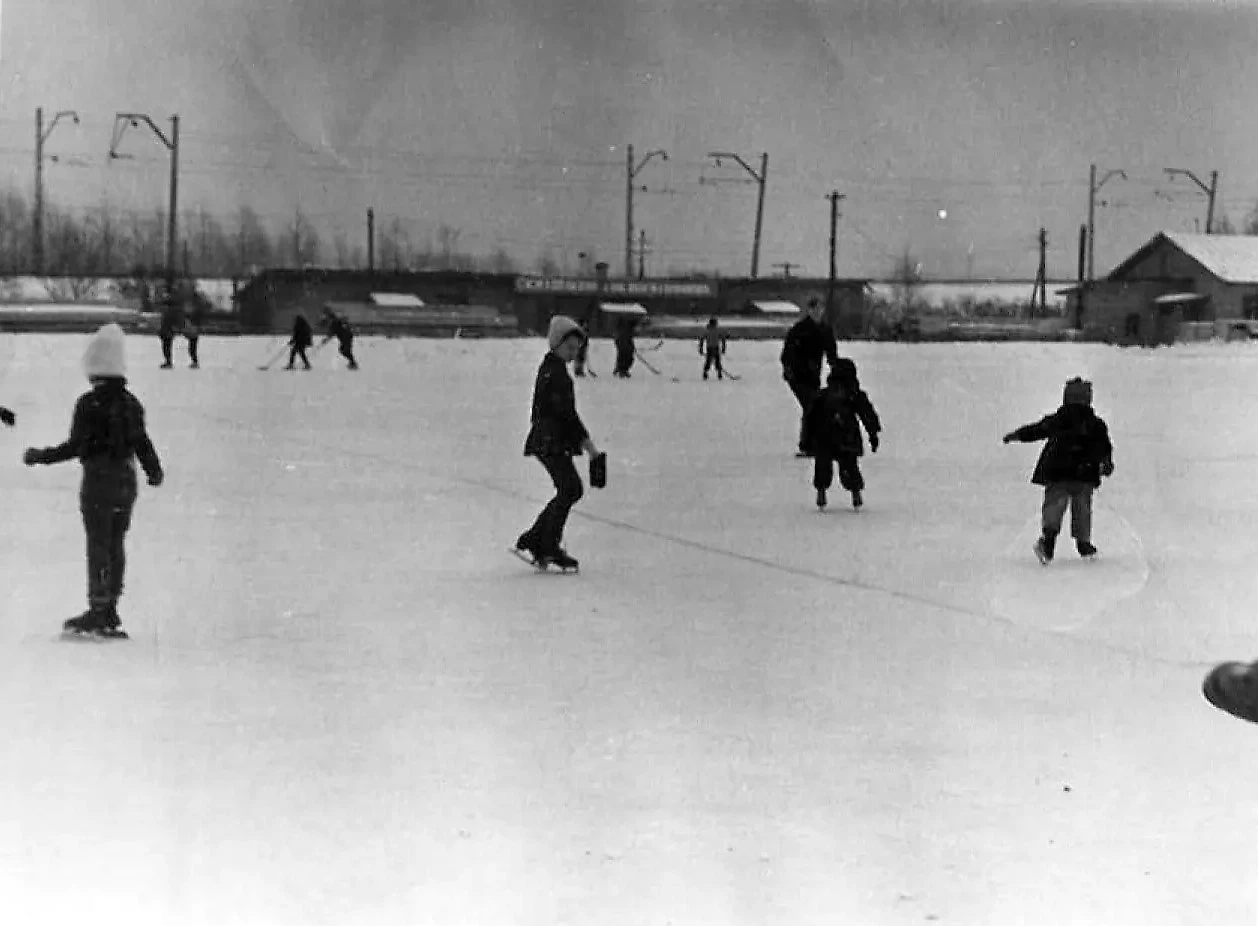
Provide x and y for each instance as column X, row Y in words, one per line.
column 123, row 120
column 1172, row 171
column 717, row 155
column 659, row 152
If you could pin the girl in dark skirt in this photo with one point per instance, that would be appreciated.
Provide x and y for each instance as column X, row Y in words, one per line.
column 556, row 435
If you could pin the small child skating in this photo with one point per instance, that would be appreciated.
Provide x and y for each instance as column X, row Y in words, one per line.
column 712, row 344
column 339, row 328
column 7, row 416
column 192, row 332
column 1078, row 454
column 303, row 337
column 556, row 435
column 107, row 434
column 832, row 427
column 583, row 352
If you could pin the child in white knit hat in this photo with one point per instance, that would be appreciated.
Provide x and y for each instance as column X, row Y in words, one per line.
column 556, row 435
column 107, row 434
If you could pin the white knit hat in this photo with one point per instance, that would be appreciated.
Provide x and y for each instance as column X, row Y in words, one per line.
column 560, row 327
column 106, row 353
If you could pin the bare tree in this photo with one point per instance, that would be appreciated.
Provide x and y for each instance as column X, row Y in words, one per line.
column 252, row 243
column 501, row 262
column 546, row 264
column 906, row 281
column 448, row 241
column 394, row 246
column 15, row 232
column 307, row 246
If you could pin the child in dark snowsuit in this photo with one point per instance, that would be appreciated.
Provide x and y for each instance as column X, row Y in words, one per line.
column 624, row 350
column 170, row 324
column 833, row 430
column 302, row 338
column 712, row 345
column 556, row 435
column 1078, row 454
column 106, row 436
column 578, row 366
column 7, row 416
column 807, row 342
column 192, row 331
column 339, row 328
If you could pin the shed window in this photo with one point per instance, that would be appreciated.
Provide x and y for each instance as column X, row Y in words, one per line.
column 1249, row 305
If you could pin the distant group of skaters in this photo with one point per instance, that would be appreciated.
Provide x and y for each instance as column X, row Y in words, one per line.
column 834, row 420
column 175, row 322
column 712, row 345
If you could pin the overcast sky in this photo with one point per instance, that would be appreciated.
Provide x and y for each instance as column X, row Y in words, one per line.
column 511, row 124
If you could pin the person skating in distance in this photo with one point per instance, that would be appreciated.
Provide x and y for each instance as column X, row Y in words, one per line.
column 7, row 416
column 833, row 430
column 339, row 328
column 1070, row 468
column 808, row 341
column 302, row 338
column 107, row 434
column 556, row 435
column 712, row 344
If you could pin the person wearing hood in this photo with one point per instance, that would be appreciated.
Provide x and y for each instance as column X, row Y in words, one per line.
column 339, row 328
column 556, row 435
column 712, row 344
column 807, row 342
column 833, row 430
column 107, row 434
column 1070, row 468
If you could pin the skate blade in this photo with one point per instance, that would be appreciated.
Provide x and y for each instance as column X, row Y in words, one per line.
column 78, row 636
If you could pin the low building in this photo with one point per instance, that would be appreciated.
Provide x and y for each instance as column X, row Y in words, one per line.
column 1176, row 287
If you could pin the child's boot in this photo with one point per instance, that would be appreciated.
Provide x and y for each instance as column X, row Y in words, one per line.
column 1086, row 550
column 821, row 498
column 1044, row 547
column 857, row 500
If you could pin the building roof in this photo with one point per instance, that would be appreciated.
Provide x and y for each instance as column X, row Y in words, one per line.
column 1229, row 258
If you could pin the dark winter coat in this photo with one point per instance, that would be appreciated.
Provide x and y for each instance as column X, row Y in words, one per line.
column 835, row 418
column 806, row 344
column 106, row 434
column 1078, row 445
column 556, row 428
column 339, row 328
column 712, row 341
column 303, row 335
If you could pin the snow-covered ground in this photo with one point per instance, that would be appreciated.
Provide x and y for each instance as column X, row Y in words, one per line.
column 345, row 703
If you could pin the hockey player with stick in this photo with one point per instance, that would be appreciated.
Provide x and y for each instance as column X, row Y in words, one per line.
column 807, row 342
column 556, row 435
column 1078, row 454
column 624, row 348
column 339, row 328
column 833, row 430
column 302, row 338
column 712, row 344
column 107, row 434
column 192, row 332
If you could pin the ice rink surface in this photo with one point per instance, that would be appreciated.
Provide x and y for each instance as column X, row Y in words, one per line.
column 345, row 703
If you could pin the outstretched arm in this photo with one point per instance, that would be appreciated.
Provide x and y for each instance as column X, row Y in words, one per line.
column 70, row 448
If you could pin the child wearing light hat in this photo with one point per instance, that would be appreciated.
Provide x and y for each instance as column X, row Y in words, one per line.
column 1070, row 467
column 556, row 435
column 106, row 435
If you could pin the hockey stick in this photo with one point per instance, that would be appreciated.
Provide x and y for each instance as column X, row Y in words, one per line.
column 270, row 363
column 651, row 368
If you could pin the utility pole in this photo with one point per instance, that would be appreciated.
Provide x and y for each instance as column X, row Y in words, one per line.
column 37, row 218
column 642, row 252
column 834, row 196
column 371, row 239
column 123, row 121
column 1210, row 191
column 1082, row 292
column 632, row 169
column 786, row 266
column 760, row 177
column 1041, row 277
column 1093, row 187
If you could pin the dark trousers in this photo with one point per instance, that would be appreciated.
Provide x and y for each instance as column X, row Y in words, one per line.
column 804, row 395
column 624, row 359
column 347, row 351
column 192, row 350
column 168, row 343
column 713, row 357
column 546, row 534
column 295, row 351
column 578, row 366
column 106, row 500
column 849, row 472
column 1075, row 495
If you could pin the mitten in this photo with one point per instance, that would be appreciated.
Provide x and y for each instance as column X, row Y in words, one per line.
column 1107, row 468
column 157, row 477
column 1008, row 438
column 873, row 443
column 32, row 456
column 598, row 471
column 7, row 416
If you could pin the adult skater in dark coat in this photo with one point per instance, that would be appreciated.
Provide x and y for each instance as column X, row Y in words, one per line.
column 339, row 328
column 712, row 344
column 302, row 338
column 808, row 341
column 624, row 348
column 170, row 324
column 1078, row 454
column 834, row 432
column 192, row 331
column 107, row 434
column 556, row 435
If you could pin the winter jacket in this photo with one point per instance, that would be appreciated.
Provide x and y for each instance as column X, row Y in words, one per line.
column 107, row 433
column 806, row 344
column 712, row 341
column 556, row 428
column 339, row 328
column 835, row 418
column 303, row 336
column 1078, row 445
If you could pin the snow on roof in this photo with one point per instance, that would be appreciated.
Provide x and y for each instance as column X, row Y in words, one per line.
column 776, row 307
column 397, row 300
column 622, row 308
column 1231, row 258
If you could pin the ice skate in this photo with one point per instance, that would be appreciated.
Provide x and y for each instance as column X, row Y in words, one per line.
column 1086, row 550
column 560, row 559
column 857, row 501
column 1233, row 687
column 98, row 622
column 821, row 499
column 1044, row 549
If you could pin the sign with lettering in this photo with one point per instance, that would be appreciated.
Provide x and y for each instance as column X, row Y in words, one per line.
column 693, row 289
